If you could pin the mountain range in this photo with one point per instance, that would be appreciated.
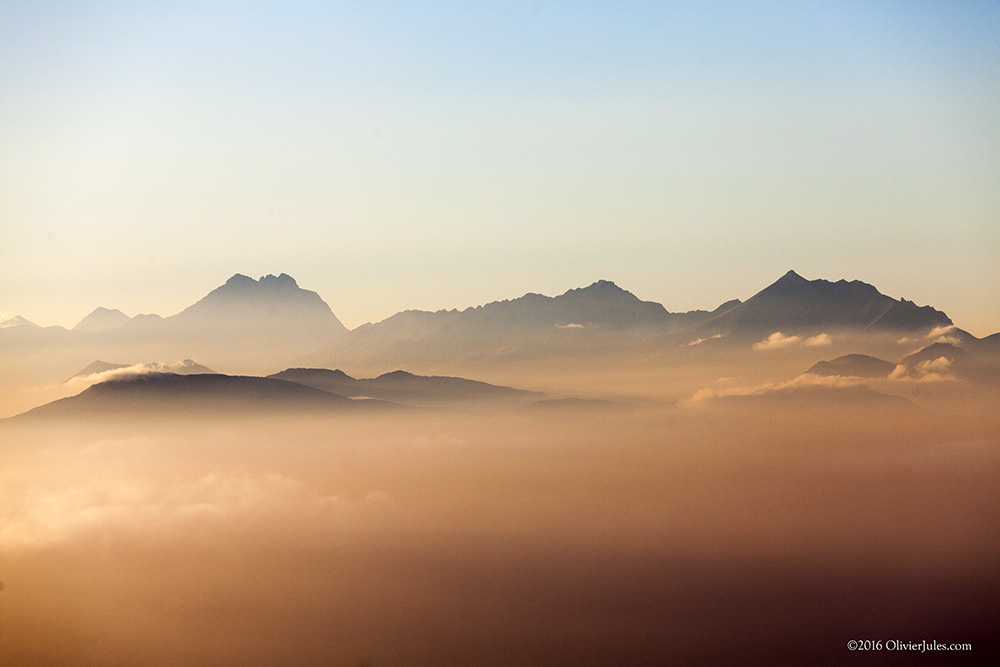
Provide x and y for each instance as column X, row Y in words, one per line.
column 249, row 326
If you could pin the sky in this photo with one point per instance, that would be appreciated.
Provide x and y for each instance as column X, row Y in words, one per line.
column 446, row 154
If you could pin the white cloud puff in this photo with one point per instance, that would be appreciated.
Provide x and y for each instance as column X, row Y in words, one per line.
column 706, row 395
column 777, row 341
column 180, row 367
column 931, row 370
column 819, row 340
column 945, row 335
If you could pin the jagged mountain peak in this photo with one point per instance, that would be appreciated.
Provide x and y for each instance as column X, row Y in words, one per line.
column 605, row 285
column 271, row 298
column 270, row 281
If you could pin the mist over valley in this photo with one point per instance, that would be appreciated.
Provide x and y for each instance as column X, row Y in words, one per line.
column 580, row 479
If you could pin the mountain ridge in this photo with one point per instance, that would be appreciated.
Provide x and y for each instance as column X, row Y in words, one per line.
column 793, row 304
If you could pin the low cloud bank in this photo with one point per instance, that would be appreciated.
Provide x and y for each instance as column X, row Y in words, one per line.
column 180, row 367
column 803, row 381
column 779, row 341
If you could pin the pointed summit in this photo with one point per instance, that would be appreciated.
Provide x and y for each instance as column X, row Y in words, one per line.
column 791, row 278
column 17, row 321
column 102, row 319
column 793, row 304
column 281, row 281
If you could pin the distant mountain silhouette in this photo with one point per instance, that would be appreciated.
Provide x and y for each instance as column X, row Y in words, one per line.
column 603, row 304
column 271, row 302
column 101, row 319
column 250, row 326
column 794, row 305
column 244, row 326
column 173, row 396
column 403, row 387
column 95, row 367
column 591, row 318
column 854, row 365
column 185, row 367
column 17, row 321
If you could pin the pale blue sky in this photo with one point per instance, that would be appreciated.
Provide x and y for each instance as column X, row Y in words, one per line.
column 444, row 154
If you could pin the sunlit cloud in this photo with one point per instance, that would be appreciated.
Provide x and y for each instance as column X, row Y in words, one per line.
column 930, row 370
column 819, row 340
column 779, row 341
column 571, row 325
column 944, row 335
column 181, row 367
column 937, row 332
column 702, row 340
column 805, row 380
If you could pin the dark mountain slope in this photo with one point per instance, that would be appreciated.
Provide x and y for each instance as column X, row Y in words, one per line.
column 403, row 387
column 794, row 305
column 854, row 365
column 168, row 395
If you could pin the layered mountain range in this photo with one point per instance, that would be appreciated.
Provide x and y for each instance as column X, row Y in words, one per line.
column 955, row 355
column 249, row 327
column 254, row 326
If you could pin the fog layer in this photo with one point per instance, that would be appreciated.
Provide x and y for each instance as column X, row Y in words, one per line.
column 707, row 533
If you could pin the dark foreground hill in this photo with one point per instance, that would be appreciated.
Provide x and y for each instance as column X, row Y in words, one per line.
column 180, row 396
column 853, row 365
column 403, row 387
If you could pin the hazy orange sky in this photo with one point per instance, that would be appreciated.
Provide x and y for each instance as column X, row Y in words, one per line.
column 440, row 155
